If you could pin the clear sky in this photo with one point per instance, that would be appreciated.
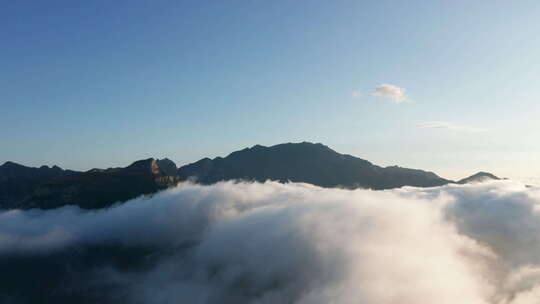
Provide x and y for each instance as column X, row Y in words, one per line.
column 447, row 86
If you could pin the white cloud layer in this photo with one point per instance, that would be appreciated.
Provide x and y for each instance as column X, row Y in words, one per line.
column 391, row 92
column 449, row 126
column 296, row 243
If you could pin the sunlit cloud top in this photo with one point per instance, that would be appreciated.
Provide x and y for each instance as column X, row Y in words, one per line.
column 392, row 93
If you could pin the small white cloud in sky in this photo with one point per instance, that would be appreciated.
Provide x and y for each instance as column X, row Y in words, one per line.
column 392, row 92
column 356, row 94
column 449, row 126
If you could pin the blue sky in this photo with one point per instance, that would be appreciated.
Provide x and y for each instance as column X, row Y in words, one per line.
column 88, row 84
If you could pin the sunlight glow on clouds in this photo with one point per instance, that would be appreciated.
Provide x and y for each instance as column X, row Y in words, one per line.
column 296, row 243
column 391, row 92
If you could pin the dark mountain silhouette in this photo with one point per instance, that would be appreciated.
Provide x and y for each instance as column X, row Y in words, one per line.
column 167, row 166
column 18, row 181
column 97, row 188
column 51, row 187
column 305, row 162
column 478, row 178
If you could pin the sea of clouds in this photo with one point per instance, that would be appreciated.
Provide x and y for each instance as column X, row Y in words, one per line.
column 281, row 243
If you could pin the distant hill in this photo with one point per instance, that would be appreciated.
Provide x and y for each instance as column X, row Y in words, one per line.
column 96, row 188
column 305, row 162
column 478, row 178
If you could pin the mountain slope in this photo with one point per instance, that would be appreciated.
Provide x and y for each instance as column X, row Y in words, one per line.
column 478, row 178
column 305, row 162
column 18, row 181
column 98, row 188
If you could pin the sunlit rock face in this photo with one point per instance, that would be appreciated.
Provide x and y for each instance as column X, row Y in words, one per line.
column 47, row 188
column 281, row 243
column 167, row 166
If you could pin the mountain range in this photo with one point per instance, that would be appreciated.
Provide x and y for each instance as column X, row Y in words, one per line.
column 51, row 187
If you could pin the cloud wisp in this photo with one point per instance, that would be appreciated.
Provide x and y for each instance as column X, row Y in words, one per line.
column 392, row 93
column 281, row 243
column 356, row 94
column 449, row 126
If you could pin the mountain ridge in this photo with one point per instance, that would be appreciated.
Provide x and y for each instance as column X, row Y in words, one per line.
column 315, row 163
column 95, row 188
column 17, row 180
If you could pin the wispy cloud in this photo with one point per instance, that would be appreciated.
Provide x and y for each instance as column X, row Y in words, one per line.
column 392, row 92
column 449, row 126
column 356, row 94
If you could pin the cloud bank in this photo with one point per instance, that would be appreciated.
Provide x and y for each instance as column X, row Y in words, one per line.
column 391, row 92
column 281, row 243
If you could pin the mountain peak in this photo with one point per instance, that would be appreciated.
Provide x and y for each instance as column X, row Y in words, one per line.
column 10, row 164
column 306, row 162
column 478, row 178
column 163, row 166
column 143, row 163
column 167, row 166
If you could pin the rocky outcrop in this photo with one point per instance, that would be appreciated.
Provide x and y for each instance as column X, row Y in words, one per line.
column 167, row 166
column 97, row 188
